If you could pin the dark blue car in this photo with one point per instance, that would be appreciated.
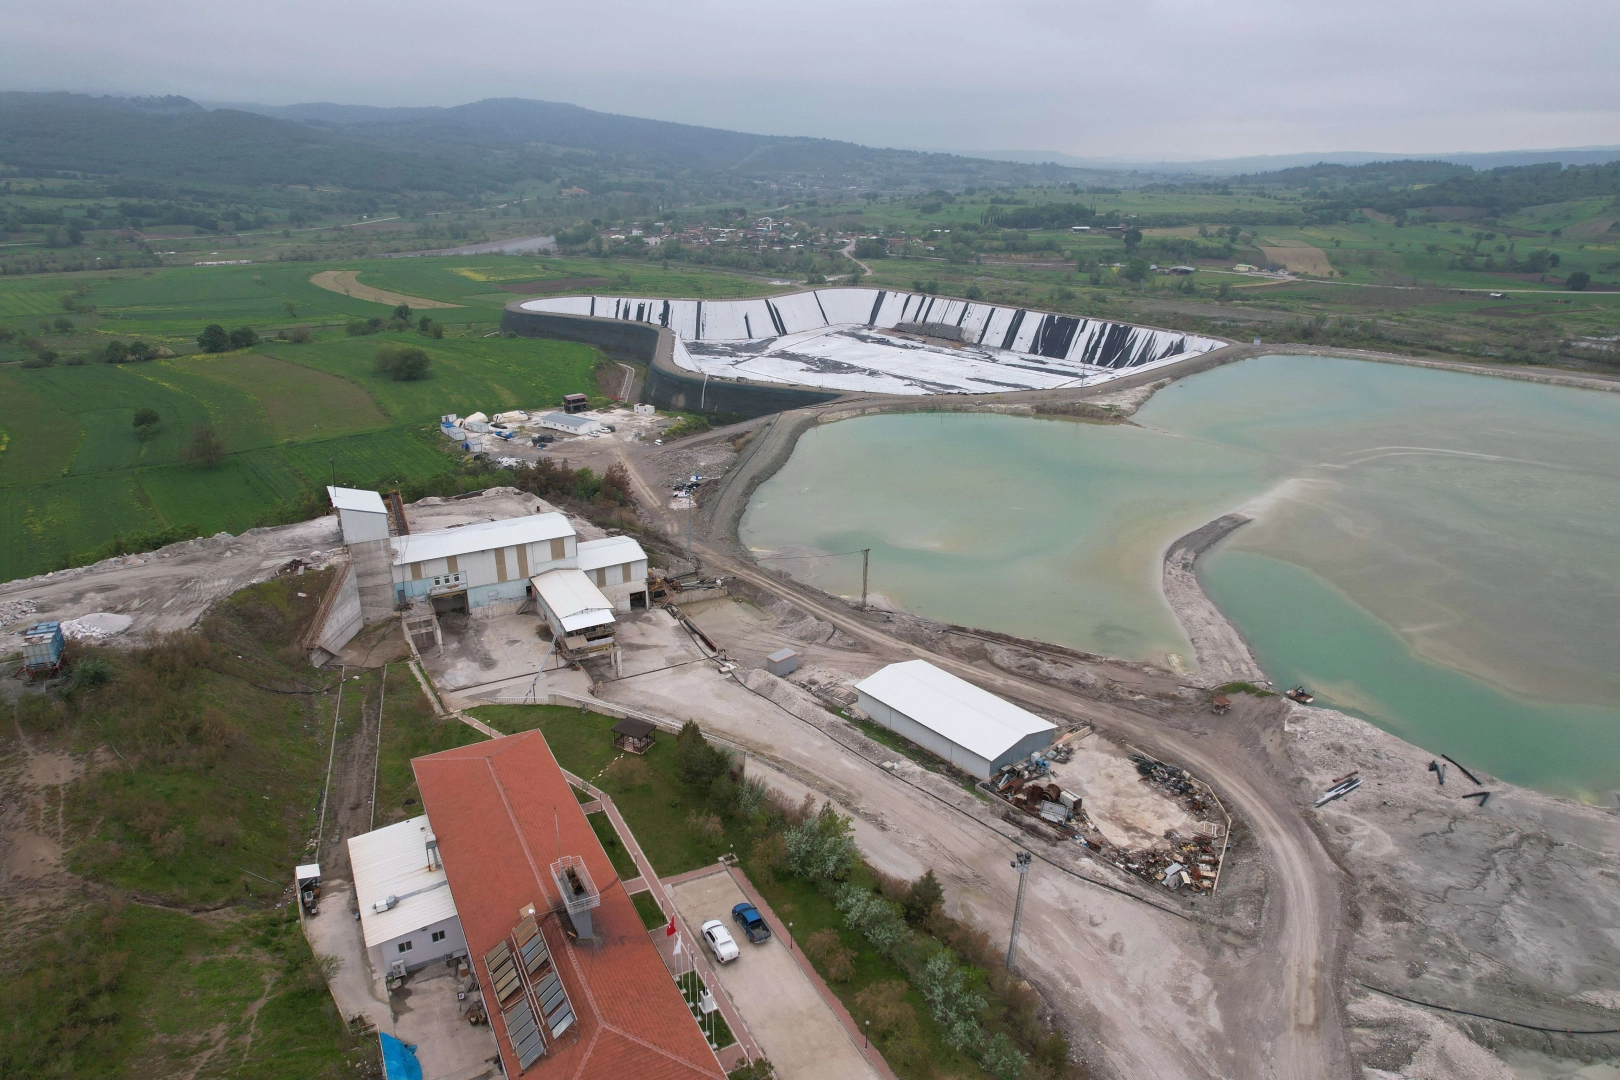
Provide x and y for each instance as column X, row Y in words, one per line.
column 753, row 926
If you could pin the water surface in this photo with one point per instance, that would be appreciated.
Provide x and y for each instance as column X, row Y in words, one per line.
column 1435, row 551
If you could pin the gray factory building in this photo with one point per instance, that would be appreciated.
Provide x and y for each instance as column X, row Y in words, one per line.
column 968, row 727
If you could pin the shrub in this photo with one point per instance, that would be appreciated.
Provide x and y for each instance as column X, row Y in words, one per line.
column 822, row 848
column 1578, row 280
column 213, row 339
column 300, row 335
column 830, row 955
column 361, row 327
column 206, row 448
column 244, row 337
column 873, row 916
column 116, row 352
column 956, row 1008
column 923, row 896
column 402, row 363
column 697, row 762
column 88, row 673
column 146, row 422
column 42, row 359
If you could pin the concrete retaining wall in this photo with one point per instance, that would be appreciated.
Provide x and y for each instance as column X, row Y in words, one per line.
column 667, row 386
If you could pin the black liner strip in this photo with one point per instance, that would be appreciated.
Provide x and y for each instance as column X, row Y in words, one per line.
column 1012, row 331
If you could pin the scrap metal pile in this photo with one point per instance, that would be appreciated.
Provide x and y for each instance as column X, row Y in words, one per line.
column 1190, row 862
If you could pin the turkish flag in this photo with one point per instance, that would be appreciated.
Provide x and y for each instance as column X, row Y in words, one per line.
column 669, row 931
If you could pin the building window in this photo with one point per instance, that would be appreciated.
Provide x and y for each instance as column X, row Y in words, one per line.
column 405, row 946
column 438, row 935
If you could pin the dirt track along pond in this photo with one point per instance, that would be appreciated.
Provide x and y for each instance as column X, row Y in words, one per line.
column 1437, row 552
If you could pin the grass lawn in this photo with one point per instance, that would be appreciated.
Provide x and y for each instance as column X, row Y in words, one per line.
column 224, row 777
column 199, row 786
column 617, row 853
column 668, row 822
column 409, row 730
column 126, row 990
column 652, row 916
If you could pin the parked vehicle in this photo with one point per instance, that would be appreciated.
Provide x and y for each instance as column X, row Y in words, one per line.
column 719, row 940
column 753, row 925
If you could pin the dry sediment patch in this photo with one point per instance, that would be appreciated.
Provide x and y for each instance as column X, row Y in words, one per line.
column 1502, row 908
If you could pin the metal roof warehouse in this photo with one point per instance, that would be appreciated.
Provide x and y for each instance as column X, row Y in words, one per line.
column 968, row 727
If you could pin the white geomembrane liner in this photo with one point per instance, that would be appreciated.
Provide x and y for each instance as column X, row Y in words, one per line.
column 834, row 338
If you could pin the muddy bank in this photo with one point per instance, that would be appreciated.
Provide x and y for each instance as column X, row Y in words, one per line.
column 1223, row 656
column 1504, row 908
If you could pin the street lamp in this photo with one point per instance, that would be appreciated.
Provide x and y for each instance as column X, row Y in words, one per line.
column 1020, row 864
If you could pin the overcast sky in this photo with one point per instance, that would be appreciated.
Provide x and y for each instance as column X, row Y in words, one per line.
column 1139, row 79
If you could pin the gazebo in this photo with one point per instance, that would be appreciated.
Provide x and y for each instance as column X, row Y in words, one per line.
column 636, row 736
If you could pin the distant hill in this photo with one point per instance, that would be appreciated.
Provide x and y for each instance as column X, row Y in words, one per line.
column 518, row 129
column 1221, row 167
column 175, row 140
column 477, row 146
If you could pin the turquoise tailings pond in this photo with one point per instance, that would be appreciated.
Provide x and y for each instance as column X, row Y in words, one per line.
column 1436, row 552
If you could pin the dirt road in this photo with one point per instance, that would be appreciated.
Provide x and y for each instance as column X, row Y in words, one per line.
column 1277, row 1003
column 348, row 283
column 1289, row 1005
column 168, row 589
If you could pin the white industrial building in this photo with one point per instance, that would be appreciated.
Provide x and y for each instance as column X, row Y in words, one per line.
column 617, row 566
column 579, row 616
column 407, row 914
column 362, row 514
column 486, row 569
column 572, row 425
column 968, row 727
column 482, row 568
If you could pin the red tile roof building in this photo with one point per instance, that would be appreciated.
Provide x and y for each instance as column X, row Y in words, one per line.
column 503, row 813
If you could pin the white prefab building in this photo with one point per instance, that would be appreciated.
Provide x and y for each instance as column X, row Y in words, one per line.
column 484, row 568
column 406, row 911
column 579, row 615
column 968, row 727
column 573, row 425
column 617, row 566
column 361, row 514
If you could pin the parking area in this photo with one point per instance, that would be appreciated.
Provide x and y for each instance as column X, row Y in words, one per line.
column 794, row 1026
column 424, row 1012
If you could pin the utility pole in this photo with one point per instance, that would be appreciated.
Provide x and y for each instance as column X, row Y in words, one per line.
column 1020, row 864
column 866, row 555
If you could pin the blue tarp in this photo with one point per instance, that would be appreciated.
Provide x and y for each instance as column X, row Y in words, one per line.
column 399, row 1059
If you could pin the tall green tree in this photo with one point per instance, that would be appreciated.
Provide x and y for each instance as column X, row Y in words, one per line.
column 214, row 339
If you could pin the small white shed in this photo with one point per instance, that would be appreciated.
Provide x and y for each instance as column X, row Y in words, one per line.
column 968, row 727
column 361, row 513
column 407, row 914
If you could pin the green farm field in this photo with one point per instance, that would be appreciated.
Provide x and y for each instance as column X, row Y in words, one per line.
column 74, row 472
